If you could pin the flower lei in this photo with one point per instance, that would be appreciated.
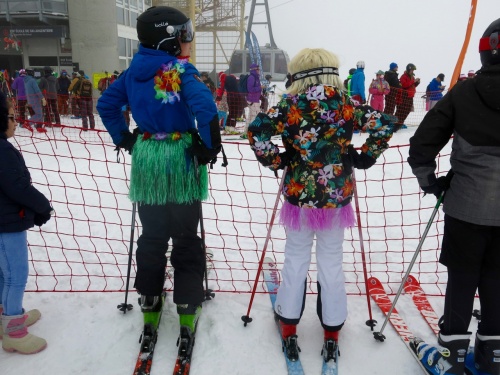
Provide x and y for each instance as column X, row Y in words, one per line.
column 168, row 79
column 175, row 136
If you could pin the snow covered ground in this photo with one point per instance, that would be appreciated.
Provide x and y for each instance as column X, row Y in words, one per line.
column 86, row 334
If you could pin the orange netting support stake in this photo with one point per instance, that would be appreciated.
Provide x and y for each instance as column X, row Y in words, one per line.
column 470, row 24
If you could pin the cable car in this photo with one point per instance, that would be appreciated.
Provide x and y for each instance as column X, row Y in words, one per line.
column 274, row 62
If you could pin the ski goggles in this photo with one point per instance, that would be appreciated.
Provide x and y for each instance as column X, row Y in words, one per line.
column 185, row 32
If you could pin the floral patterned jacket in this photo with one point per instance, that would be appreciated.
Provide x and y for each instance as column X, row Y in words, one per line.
column 316, row 128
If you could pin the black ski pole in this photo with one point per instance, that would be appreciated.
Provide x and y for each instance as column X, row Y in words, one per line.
column 128, row 306
column 209, row 293
column 378, row 335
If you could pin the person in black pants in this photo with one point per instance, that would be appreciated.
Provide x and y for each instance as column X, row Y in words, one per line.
column 470, row 112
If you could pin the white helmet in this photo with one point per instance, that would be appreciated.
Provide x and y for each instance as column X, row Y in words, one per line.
column 360, row 64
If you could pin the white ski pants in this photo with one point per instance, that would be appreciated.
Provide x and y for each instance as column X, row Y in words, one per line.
column 329, row 255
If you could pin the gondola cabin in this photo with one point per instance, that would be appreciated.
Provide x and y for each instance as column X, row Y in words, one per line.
column 274, row 61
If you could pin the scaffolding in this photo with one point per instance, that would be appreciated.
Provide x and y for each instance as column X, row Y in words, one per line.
column 220, row 29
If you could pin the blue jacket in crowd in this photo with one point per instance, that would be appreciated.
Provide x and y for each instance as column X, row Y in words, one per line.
column 434, row 89
column 358, row 83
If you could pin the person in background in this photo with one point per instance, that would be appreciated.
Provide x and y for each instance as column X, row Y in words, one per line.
column 169, row 177
column 471, row 74
column 378, row 89
column 266, row 90
column 315, row 121
column 254, row 89
column 236, row 101
column 48, row 86
column 347, row 81
column 21, row 207
column 462, row 77
column 36, row 100
column 470, row 114
column 22, row 101
column 408, row 89
column 74, row 98
column 394, row 97
column 435, row 90
column 208, row 81
column 62, row 86
column 358, row 83
column 4, row 86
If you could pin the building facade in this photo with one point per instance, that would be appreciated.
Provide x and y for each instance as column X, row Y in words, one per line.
column 90, row 35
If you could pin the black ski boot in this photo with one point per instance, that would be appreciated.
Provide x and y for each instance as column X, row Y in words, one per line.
column 487, row 354
column 330, row 350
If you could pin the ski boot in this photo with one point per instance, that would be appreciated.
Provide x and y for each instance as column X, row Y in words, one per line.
column 484, row 359
column 330, row 348
column 289, row 339
column 446, row 358
column 151, row 307
column 188, row 319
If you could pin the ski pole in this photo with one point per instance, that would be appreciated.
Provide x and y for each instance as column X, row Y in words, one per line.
column 371, row 322
column 378, row 335
column 127, row 306
column 209, row 294
column 246, row 318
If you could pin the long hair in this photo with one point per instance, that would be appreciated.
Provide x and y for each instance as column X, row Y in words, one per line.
column 4, row 113
column 310, row 58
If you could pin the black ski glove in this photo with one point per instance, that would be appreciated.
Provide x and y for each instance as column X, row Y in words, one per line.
column 203, row 154
column 361, row 160
column 42, row 218
column 128, row 140
column 438, row 185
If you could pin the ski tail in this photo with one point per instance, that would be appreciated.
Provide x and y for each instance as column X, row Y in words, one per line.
column 271, row 279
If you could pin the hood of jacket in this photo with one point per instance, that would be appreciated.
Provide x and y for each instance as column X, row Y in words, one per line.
column 487, row 83
column 145, row 64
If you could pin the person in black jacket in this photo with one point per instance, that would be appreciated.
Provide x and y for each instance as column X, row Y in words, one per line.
column 394, row 96
column 21, row 207
column 470, row 112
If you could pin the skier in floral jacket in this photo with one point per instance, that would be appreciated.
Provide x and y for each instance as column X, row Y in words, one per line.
column 316, row 120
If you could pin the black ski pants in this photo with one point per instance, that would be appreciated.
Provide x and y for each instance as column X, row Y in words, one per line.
column 178, row 222
column 472, row 254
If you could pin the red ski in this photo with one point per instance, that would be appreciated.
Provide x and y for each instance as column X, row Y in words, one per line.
column 412, row 287
column 379, row 295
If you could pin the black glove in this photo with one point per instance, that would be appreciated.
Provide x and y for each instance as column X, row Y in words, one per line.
column 438, row 185
column 128, row 141
column 41, row 219
column 204, row 154
column 285, row 160
column 361, row 160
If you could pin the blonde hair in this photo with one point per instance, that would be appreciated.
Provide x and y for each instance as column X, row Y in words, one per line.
column 310, row 58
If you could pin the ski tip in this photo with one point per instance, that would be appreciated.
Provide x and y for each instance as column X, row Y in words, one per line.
column 379, row 336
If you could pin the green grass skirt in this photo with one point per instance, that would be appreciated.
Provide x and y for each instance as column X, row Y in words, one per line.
column 163, row 172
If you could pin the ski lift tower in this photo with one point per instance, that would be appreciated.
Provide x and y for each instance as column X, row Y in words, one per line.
column 219, row 27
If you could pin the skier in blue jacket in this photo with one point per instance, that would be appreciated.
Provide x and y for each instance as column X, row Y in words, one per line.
column 168, row 174
column 358, row 83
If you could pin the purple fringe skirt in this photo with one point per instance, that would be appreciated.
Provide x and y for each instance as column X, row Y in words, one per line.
column 317, row 219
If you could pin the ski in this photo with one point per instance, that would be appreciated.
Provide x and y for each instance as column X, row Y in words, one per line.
column 183, row 361
column 271, row 279
column 413, row 288
column 148, row 340
column 330, row 355
column 379, row 295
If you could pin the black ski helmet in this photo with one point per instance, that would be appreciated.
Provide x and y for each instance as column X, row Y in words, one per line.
column 30, row 71
column 410, row 66
column 161, row 28
column 489, row 45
